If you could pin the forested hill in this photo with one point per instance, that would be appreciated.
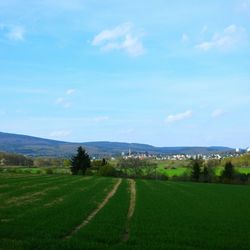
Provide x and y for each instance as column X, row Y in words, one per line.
column 34, row 146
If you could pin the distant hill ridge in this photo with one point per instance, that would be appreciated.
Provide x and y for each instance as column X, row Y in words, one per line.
column 35, row 146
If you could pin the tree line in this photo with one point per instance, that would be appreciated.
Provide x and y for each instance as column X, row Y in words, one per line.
column 11, row 159
column 133, row 168
column 201, row 171
column 81, row 164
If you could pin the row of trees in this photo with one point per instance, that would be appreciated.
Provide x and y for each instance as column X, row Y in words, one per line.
column 80, row 164
column 8, row 159
column 134, row 168
column 239, row 161
column 205, row 172
column 11, row 159
column 201, row 171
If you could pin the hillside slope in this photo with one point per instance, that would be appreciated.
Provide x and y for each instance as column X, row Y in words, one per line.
column 35, row 146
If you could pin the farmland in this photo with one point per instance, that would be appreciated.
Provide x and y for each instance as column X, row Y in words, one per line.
column 74, row 212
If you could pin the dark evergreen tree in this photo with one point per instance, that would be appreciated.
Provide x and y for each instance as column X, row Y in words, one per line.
column 228, row 172
column 80, row 162
column 207, row 174
column 104, row 162
column 196, row 169
column 205, row 171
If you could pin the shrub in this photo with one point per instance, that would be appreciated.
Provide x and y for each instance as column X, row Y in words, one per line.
column 49, row 171
column 161, row 176
column 12, row 170
column 26, row 171
column 241, row 178
column 244, row 178
column 89, row 171
column 207, row 175
column 184, row 177
column 107, row 170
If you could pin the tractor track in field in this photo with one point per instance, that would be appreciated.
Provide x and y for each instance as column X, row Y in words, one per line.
column 95, row 212
column 131, row 210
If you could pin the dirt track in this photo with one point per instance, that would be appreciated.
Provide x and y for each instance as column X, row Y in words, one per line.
column 131, row 209
column 94, row 213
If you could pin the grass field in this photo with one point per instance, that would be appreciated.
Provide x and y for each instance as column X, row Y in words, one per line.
column 173, row 172
column 34, row 170
column 73, row 212
column 178, row 171
column 240, row 170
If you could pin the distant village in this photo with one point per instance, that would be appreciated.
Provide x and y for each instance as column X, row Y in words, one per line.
column 139, row 155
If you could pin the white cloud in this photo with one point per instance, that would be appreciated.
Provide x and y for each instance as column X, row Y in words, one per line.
column 122, row 37
column 16, row 33
column 179, row 117
column 231, row 37
column 107, row 35
column 218, row 113
column 60, row 134
column 63, row 102
column 70, row 91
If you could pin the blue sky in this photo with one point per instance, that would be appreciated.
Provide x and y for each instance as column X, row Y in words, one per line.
column 167, row 73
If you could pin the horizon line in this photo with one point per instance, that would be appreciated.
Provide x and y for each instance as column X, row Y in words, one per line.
column 74, row 142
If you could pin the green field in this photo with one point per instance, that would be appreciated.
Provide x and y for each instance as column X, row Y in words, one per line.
column 184, row 170
column 74, row 212
column 240, row 170
column 174, row 172
column 34, row 170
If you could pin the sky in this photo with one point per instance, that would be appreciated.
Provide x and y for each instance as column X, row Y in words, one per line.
column 166, row 73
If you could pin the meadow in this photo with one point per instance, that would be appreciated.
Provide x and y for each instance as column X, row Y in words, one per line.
column 75, row 212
